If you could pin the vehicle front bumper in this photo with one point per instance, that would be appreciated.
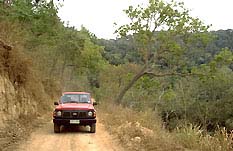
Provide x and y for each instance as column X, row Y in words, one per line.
column 67, row 121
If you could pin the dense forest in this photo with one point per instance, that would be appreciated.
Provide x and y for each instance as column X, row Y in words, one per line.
column 183, row 72
column 122, row 50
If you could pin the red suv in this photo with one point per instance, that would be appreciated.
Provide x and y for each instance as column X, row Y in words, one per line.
column 75, row 108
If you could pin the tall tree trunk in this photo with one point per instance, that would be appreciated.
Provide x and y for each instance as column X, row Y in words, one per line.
column 130, row 84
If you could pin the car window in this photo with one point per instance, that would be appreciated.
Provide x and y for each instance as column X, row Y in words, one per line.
column 75, row 98
column 65, row 99
column 84, row 99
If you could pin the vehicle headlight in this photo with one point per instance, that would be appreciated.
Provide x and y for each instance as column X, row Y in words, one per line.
column 90, row 113
column 58, row 113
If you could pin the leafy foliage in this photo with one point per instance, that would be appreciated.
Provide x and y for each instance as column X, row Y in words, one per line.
column 60, row 52
column 167, row 40
column 163, row 52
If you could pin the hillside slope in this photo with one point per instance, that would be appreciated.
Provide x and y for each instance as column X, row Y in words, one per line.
column 22, row 95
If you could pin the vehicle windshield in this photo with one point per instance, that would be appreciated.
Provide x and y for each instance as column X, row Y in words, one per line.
column 76, row 98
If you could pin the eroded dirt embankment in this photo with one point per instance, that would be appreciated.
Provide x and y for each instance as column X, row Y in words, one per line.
column 22, row 95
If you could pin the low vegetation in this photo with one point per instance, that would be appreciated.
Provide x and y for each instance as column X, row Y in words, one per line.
column 137, row 130
column 145, row 131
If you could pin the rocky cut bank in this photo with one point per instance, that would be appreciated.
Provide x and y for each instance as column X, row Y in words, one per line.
column 22, row 95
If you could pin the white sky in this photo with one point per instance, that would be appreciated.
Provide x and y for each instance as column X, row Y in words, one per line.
column 98, row 16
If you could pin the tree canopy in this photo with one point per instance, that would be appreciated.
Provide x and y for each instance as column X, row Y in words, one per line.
column 163, row 52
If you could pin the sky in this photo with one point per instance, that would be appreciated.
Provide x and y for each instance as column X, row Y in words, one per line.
column 98, row 16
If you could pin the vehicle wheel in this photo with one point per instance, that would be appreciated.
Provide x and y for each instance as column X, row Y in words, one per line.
column 93, row 128
column 56, row 128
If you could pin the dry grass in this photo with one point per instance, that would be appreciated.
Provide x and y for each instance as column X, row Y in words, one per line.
column 193, row 138
column 137, row 130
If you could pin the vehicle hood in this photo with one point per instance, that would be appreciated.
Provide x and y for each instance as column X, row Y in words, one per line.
column 75, row 106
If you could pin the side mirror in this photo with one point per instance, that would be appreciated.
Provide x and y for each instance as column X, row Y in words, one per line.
column 94, row 103
column 56, row 103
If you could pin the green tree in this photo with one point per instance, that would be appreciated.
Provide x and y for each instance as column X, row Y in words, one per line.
column 164, row 49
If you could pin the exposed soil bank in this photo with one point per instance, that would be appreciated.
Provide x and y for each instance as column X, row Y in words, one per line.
column 23, row 96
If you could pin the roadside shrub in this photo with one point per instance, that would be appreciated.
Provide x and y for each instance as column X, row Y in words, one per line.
column 192, row 137
column 189, row 136
column 137, row 131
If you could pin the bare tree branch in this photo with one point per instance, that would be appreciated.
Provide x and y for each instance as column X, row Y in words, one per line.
column 174, row 74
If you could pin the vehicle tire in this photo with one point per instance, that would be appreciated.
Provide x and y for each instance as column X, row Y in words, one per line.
column 93, row 128
column 56, row 128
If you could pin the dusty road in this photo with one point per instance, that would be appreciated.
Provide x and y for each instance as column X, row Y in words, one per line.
column 43, row 139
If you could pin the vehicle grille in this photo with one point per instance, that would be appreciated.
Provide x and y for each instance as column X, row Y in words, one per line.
column 74, row 114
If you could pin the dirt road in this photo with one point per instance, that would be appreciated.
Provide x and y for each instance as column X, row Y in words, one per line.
column 43, row 139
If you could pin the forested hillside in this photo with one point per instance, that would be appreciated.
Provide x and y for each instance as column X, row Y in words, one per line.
column 122, row 50
column 168, row 73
